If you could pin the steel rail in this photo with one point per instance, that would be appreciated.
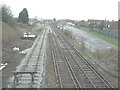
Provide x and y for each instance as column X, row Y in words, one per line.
column 26, row 65
column 76, row 62
column 93, row 69
column 74, row 78
column 91, row 66
column 53, row 57
column 55, row 63
column 60, row 74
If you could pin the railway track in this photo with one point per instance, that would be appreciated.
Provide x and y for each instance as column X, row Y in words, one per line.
column 72, row 70
column 62, row 70
column 29, row 73
column 86, row 74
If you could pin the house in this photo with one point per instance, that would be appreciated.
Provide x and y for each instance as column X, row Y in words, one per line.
column 114, row 25
column 97, row 22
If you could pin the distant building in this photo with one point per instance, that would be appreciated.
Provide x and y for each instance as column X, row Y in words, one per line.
column 112, row 25
column 95, row 21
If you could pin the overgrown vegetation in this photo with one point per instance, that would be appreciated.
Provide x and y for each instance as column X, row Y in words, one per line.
column 109, row 57
column 11, row 28
column 103, row 37
column 68, row 33
column 112, row 41
column 106, row 58
column 7, row 16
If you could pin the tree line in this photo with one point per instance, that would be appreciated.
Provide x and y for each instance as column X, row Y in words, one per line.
column 7, row 16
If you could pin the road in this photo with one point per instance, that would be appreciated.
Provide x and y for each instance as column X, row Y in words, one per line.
column 53, row 62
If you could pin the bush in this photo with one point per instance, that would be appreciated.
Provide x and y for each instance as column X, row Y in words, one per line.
column 67, row 33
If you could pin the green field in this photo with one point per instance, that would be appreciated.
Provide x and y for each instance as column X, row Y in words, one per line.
column 103, row 37
column 112, row 41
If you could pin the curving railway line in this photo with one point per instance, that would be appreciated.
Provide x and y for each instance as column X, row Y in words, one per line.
column 83, row 74
column 62, row 69
column 71, row 69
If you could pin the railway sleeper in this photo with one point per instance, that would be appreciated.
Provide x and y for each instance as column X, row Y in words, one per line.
column 27, row 79
column 68, row 85
column 78, row 71
column 27, row 85
column 91, row 75
column 60, row 61
column 95, row 79
column 99, row 83
column 64, row 76
column 24, row 82
column 24, row 86
column 88, row 85
column 82, row 75
column 85, row 67
column 82, row 64
column 68, row 80
column 88, row 72
column 62, row 68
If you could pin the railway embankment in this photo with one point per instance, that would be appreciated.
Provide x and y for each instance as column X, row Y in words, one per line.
column 11, row 38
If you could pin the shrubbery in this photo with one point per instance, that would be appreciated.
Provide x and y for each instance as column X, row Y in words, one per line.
column 6, row 15
column 67, row 33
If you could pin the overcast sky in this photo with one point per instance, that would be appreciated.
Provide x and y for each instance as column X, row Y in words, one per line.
column 66, row 9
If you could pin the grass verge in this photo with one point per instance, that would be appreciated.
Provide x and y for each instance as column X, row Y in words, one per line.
column 109, row 40
column 103, row 37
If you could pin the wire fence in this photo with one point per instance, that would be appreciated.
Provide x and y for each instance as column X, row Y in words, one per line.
column 110, row 34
